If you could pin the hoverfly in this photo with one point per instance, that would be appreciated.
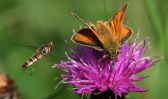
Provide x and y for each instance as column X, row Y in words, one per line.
column 40, row 52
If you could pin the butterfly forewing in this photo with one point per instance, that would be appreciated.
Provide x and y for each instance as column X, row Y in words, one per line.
column 85, row 36
column 122, row 32
column 116, row 21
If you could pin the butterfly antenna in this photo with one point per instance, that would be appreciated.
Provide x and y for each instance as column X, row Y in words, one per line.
column 105, row 9
column 76, row 16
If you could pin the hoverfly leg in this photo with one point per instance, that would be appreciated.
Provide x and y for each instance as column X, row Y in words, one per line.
column 33, row 68
column 24, row 69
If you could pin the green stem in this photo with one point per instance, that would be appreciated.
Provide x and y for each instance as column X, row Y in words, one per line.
column 155, row 21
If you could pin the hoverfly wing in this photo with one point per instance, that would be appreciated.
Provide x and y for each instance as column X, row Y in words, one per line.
column 26, row 46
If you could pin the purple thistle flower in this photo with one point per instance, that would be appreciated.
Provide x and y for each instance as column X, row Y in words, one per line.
column 84, row 70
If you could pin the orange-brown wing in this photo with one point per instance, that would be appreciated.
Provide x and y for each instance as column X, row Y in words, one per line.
column 87, row 37
column 116, row 21
column 93, row 29
column 125, row 33
column 104, row 35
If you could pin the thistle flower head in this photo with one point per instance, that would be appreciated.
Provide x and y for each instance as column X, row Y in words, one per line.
column 84, row 70
column 8, row 89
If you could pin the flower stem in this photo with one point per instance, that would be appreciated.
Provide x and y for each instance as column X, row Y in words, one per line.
column 105, row 95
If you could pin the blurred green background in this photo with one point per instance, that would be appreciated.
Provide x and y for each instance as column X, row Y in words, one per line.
column 33, row 22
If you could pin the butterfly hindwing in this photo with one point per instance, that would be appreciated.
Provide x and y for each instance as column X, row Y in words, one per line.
column 125, row 33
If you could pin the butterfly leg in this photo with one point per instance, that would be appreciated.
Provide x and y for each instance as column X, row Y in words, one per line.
column 104, row 56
